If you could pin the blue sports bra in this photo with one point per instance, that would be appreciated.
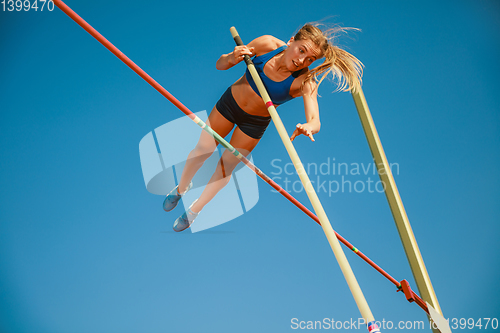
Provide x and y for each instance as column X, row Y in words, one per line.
column 278, row 91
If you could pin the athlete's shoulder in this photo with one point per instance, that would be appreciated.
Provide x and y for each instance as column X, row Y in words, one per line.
column 265, row 44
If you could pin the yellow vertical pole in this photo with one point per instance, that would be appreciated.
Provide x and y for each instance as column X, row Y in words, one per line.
column 313, row 197
column 396, row 204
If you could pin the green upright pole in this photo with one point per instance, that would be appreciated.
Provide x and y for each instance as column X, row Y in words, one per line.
column 396, row 204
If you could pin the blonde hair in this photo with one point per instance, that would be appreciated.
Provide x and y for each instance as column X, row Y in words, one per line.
column 345, row 67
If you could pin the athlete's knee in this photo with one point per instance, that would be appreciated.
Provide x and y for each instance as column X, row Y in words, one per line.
column 203, row 150
column 227, row 164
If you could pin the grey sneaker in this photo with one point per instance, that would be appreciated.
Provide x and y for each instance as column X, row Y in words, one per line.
column 185, row 220
column 173, row 198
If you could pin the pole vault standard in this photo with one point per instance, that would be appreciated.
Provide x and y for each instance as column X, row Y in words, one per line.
column 396, row 204
column 363, row 307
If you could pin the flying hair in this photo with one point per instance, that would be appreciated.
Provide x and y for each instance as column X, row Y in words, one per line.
column 345, row 68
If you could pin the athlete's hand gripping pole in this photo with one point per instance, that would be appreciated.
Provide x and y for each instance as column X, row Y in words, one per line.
column 313, row 197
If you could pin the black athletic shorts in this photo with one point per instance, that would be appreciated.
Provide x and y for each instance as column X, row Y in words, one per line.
column 253, row 126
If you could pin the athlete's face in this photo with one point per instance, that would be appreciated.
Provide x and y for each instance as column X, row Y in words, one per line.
column 301, row 53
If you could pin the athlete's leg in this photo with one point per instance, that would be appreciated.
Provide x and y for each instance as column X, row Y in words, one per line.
column 204, row 148
column 244, row 144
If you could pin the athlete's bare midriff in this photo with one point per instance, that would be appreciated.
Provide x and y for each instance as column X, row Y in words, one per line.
column 247, row 99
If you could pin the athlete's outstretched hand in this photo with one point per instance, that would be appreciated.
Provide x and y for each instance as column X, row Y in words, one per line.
column 304, row 129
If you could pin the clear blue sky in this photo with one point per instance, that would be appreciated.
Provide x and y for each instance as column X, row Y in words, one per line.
column 84, row 247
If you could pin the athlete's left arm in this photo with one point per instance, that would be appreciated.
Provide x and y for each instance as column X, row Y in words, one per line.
column 313, row 125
